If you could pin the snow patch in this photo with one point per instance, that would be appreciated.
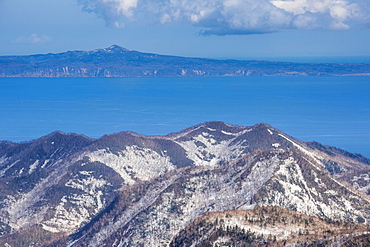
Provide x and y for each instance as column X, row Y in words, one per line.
column 276, row 145
column 33, row 167
column 86, row 173
column 45, row 163
column 2, row 173
column 295, row 187
column 229, row 133
column 134, row 163
column 73, row 210
column 211, row 152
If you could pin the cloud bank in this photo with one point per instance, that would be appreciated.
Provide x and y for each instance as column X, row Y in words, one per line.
column 223, row 17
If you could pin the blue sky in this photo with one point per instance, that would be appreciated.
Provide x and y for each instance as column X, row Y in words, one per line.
column 202, row 28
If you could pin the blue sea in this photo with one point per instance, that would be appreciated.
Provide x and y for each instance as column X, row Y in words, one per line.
column 331, row 110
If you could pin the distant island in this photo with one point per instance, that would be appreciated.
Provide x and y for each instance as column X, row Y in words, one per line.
column 116, row 61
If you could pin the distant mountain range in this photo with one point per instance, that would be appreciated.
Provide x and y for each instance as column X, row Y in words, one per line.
column 213, row 184
column 116, row 61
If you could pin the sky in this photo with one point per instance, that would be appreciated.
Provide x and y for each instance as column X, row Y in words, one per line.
column 201, row 28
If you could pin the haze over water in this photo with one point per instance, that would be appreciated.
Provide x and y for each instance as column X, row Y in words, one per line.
column 331, row 110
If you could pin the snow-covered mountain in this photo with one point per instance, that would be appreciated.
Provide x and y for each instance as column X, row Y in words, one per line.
column 128, row 189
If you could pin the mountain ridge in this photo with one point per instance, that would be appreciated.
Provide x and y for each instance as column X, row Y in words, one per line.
column 125, row 188
column 116, row 61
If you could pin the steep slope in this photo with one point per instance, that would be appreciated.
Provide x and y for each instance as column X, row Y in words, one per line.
column 129, row 188
column 116, row 61
column 340, row 165
column 170, row 204
column 26, row 168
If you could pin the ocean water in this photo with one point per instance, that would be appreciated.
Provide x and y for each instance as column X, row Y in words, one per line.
column 331, row 110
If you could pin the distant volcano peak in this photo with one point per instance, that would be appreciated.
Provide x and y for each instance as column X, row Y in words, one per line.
column 116, row 48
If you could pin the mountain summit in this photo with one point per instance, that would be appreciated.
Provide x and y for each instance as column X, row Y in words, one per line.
column 116, row 61
column 116, row 48
column 213, row 184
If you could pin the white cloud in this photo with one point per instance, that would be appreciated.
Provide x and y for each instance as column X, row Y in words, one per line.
column 123, row 6
column 235, row 16
column 335, row 12
column 32, row 39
